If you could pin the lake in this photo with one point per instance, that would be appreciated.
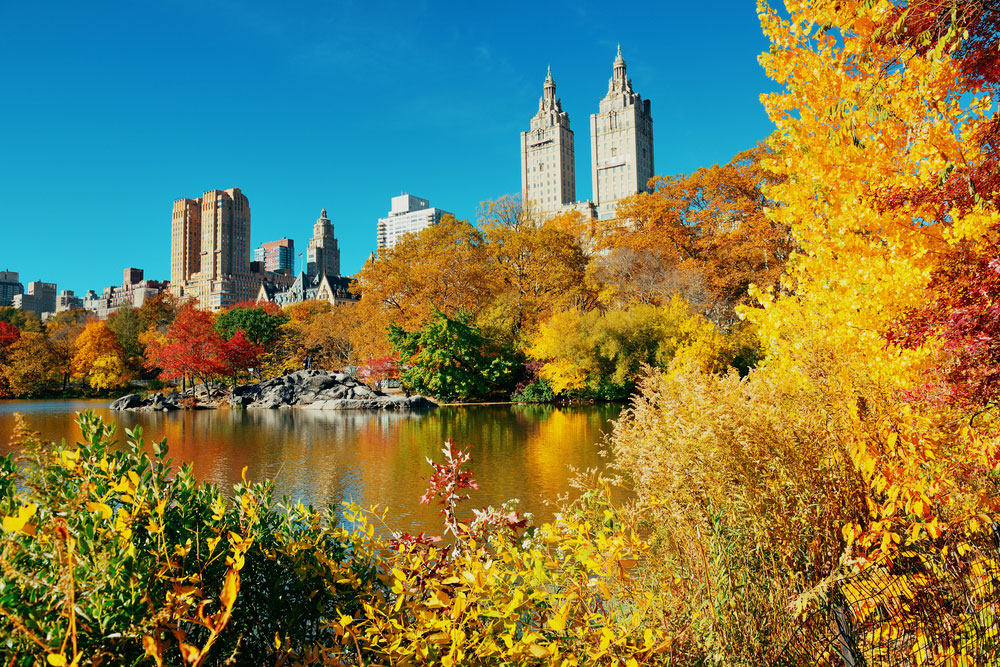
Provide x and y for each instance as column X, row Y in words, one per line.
column 374, row 458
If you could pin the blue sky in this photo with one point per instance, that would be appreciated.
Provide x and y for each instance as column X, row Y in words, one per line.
column 110, row 111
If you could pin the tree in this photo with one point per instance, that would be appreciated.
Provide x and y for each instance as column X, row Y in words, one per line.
column 99, row 357
column 9, row 334
column 712, row 224
column 603, row 354
column 126, row 324
column 28, row 365
column 241, row 355
column 190, row 347
column 328, row 337
column 536, row 268
column 376, row 372
column 442, row 268
column 158, row 312
column 963, row 313
column 257, row 323
column 451, row 358
column 62, row 332
column 25, row 320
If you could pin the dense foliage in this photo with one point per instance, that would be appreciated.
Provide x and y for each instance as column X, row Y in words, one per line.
column 453, row 359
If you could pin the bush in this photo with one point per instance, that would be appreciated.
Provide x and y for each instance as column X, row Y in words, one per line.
column 108, row 558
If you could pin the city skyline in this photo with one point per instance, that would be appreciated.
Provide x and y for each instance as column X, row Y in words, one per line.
column 334, row 112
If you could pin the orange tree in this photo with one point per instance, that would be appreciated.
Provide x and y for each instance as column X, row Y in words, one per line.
column 99, row 357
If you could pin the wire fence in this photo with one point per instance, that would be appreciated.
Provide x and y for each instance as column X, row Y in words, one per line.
column 919, row 609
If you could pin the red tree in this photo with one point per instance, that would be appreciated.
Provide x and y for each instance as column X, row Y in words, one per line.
column 965, row 314
column 376, row 371
column 191, row 347
column 241, row 355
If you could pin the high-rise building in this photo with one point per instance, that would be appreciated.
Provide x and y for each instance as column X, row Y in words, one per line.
column 185, row 241
column 408, row 215
column 10, row 287
column 323, row 253
column 276, row 256
column 548, row 172
column 40, row 298
column 218, row 224
column 621, row 143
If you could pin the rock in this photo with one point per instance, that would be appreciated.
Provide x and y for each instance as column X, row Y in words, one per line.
column 127, row 402
column 376, row 403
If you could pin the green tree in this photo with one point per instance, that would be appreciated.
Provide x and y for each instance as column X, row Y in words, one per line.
column 451, row 358
column 257, row 324
column 126, row 324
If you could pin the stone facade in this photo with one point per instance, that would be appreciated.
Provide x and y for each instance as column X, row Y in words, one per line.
column 408, row 215
column 306, row 287
column 621, row 142
column 66, row 300
column 323, row 253
column 548, row 171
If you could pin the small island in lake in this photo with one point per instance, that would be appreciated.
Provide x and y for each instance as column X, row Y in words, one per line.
column 309, row 389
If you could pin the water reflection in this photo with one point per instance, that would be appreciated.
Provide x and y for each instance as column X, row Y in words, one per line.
column 372, row 457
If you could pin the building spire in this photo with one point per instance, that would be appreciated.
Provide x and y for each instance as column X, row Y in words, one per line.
column 619, row 69
column 549, row 97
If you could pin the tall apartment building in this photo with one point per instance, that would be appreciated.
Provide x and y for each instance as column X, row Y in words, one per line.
column 548, row 171
column 621, row 142
column 323, row 253
column 276, row 256
column 217, row 227
column 408, row 215
column 40, row 298
column 10, row 287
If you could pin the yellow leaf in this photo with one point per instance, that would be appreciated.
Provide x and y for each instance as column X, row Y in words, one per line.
column 229, row 589
column 56, row 659
column 13, row 524
column 101, row 508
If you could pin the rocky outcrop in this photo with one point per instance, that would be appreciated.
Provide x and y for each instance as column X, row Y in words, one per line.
column 314, row 389
column 300, row 388
column 156, row 402
column 377, row 403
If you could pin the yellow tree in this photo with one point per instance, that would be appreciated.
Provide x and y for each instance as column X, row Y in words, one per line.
column 99, row 358
column 28, row 364
column 869, row 129
column 538, row 268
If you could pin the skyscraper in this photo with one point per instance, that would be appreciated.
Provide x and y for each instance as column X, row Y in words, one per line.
column 185, row 241
column 218, row 225
column 323, row 253
column 621, row 142
column 548, row 172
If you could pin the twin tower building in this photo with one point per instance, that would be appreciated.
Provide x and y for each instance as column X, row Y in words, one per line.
column 621, row 151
